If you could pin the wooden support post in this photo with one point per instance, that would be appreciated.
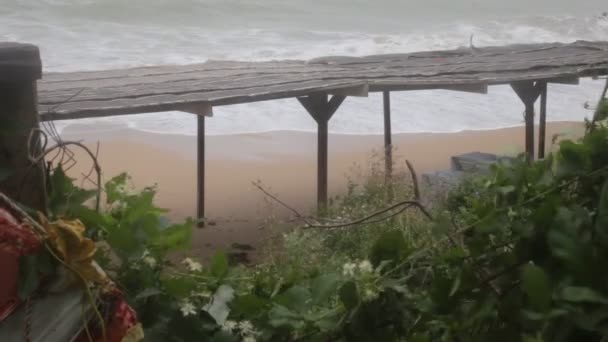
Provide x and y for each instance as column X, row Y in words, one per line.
column 322, row 109
column 528, row 92
column 200, row 166
column 542, row 120
column 388, row 144
column 20, row 68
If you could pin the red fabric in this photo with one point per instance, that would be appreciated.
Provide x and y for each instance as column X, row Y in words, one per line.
column 120, row 319
column 16, row 240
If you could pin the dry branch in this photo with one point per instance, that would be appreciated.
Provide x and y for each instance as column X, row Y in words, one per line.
column 402, row 206
column 62, row 145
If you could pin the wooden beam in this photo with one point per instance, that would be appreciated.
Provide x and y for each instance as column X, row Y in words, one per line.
column 469, row 88
column 476, row 88
column 333, row 105
column 542, row 121
column 200, row 174
column 20, row 179
column 573, row 80
column 388, row 144
column 528, row 92
column 357, row 91
column 204, row 109
column 322, row 167
column 321, row 109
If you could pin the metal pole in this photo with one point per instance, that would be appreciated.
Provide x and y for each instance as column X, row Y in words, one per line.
column 201, row 170
column 542, row 120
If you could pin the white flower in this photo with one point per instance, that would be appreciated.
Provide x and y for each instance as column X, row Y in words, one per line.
column 150, row 261
column 246, row 328
column 370, row 294
column 193, row 266
column 229, row 325
column 187, row 308
column 203, row 294
column 349, row 269
column 366, row 267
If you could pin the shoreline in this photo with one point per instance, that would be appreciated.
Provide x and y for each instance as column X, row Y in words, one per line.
column 284, row 161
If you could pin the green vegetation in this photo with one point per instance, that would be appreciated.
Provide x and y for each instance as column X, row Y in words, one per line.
column 513, row 256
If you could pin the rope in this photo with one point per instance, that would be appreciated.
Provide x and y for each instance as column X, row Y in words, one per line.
column 29, row 311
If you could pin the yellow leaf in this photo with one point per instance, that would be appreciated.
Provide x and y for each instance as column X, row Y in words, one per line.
column 68, row 240
column 134, row 334
column 85, row 251
column 89, row 271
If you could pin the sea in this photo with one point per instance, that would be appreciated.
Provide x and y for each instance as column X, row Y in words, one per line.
column 100, row 34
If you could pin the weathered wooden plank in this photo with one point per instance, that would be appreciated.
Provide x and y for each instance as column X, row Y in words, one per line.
column 19, row 62
column 25, row 182
column 149, row 89
column 248, row 69
column 161, row 103
column 185, row 86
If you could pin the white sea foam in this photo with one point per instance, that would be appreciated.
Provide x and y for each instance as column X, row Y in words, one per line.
column 96, row 34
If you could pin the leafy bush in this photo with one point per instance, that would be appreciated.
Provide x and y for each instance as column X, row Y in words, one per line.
column 513, row 256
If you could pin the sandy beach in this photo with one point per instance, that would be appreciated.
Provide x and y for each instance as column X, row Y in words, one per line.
column 284, row 161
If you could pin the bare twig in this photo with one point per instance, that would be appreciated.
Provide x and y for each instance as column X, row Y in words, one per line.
column 402, row 206
column 276, row 199
column 96, row 167
column 414, row 180
column 88, row 175
column 363, row 220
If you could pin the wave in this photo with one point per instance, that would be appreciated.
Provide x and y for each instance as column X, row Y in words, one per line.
column 73, row 37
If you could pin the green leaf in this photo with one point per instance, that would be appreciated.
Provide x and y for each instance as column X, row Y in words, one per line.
column 578, row 294
column 64, row 195
column 224, row 336
column 296, row 298
column 248, row 306
column 280, row 316
column 175, row 237
column 419, row 337
column 28, row 278
column 573, row 159
column 329, row 320
column 324, row 287
column 115, row 188
column 179, row 287
column 455, row 285
column 390, row 246
column 149, row 292
column 535, row 284
column 349, row 295
column 601, row 221
column 507, row 189
column 219, row 265
column 218, row 308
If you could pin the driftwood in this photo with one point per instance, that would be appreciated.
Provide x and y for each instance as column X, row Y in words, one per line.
column 181, row 88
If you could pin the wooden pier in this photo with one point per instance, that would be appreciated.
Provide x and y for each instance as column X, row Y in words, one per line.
column 320, row 85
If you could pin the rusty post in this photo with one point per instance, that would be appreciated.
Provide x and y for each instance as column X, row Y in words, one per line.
column 20, row 68
column 322, row 109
